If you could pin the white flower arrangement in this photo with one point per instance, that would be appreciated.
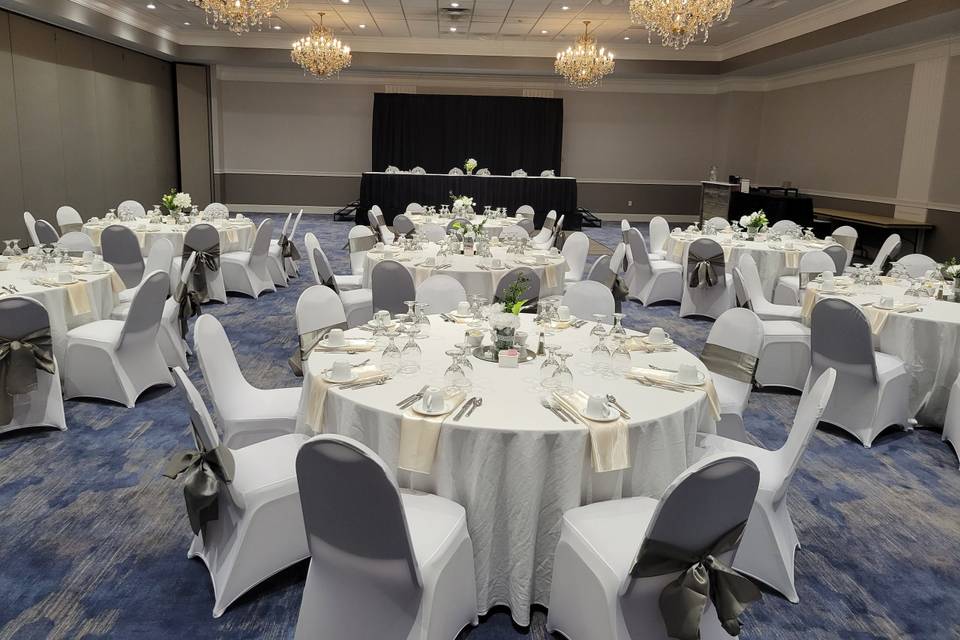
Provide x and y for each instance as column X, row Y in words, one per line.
column 463, row 204
column 755, row 221
column 952, row 271
column 176, row 201
column 470, row 165
column 182, row 200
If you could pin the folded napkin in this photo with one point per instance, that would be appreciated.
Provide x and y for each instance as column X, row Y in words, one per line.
column 666, row 376
column 318, row 394
column 791, row 258
column 349, row 344
column 727, row 250
column 878, row 317
column 608, row 440
column 553, row 274
column 421, row 273
column 638, row 344
column 141, row 238
column 232, row 236
column 419, row 435
column 116, row 282
column 675, row 250
column 79, row 298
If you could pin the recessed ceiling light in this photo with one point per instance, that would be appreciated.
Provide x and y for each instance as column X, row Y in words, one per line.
column 186, row 24
column 345, row 1
column 151, row 6
column 565, row 8
column 543, row 31
column 453, row 28
column 626, row 37
column 363, row 26
column 454, row 4
column 277, row 27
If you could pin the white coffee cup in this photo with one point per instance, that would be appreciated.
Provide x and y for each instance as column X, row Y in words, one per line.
column 341, row 370
column 554, row 251
column 87, row 256
column 658, row 335
column 463, row 308
column 429, row 262
column 886, row 301
column 34, row 250
column 597, row 407
column 496, row 263
column 563, row 312
column 433, row 399
column 541, row 258
column 335, row 338
column 687, row 374
column 828, row 285
column 474, row 337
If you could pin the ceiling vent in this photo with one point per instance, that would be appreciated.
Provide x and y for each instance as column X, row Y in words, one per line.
column 455, row 13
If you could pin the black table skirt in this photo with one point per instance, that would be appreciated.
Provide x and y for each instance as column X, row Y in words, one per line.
column 777, row 207
column 393, row 192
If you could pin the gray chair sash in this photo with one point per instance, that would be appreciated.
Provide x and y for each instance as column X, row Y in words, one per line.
column 71, row 226
column 804, row 278
column 703, row 271
column 206, row 472
column 287, row 248
column 19, row 360
column 847, row 242
column 331, row 283
column 617, row 286
column 560, row 239
column 309, row 342
column 362, row 243
column 189, row 306
column 207, row 260
column 702, row 577
column 548, row 223
column 729, row 362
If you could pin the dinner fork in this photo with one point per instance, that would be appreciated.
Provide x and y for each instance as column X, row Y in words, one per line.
column 548, row 405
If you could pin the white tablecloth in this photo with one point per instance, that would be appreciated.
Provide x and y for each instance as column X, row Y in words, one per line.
column 234, row 236
column 467, row 271
column 771, row 258
column 928, row 341
column 493, row 226
column 93, row 299
column 513, row 465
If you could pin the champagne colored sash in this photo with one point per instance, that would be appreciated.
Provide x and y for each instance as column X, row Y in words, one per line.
column 207, row 472
column 19, row 360
column 548, row 223
column 703, row 577
column 729, row 362
column 362, row 243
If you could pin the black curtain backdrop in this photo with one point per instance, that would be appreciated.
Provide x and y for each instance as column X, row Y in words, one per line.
column 440, row 132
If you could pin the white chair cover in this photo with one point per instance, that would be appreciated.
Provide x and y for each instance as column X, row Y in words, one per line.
column 917, row 264
column 659, row 232
column 442, row 292
column 68, row 219
column 888, row 250
column 575, row 250
column 247, row 271
column 525, row 210
column 402, row 225
column 131, row 208
column 121, row 250
column 846, row 236
column 216, row 209
column 651, row 282
column 318, row 308
column 76, row 241
column 589, row 297
column 31, row 224
column 514, row 231
column 705, row 300
column 204, row 237
column 757, row 299
column 812, row 264
column 392, row 285
column 357, row 254
column 735, row 338
column 415, row 207
column 357, row 303
column 784, row 226
column 717, row 223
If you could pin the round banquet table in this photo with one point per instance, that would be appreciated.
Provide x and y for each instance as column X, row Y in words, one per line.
column 235, row 235
column 467, row 269
column 493, row 226
column 513, row 465
column 772, row 259
column 91, row 298
column 927, row 340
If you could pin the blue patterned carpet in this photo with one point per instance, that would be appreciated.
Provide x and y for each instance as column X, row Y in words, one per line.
column 93, row 539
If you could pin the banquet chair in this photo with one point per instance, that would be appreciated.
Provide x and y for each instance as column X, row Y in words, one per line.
column 515, row 231
column 518, row 173
column 789, row 288
column 121, row 249
column 575, row 251
column 846, row 237
column 698, row 296
column 418, row 171
column 46, row 234
column 377, row 222
column 434, row 232
column 247, row 414
column 730, row 354
column 384, row 563
column 442, row 292
column 392, row 284
column 785, row 354
column 872, row 391
column 651, row 281
column 717, row 223
column 415, row 207
column 403, row 225
column 587, row 298
column 839, row 256
column 888, row 249
column 624, row 227
column 659, row 232
column 119, row 359
column 527, row 225
column 951, row 423
column 784, row 226
column 276, row 263
column 25, row 320
column 247, row 271
column 526, row 212
column 204, row 237
column 68, row 219
column 600, row 270
column 216, row 209
column 76, row 241
column 169, row 337
column 606, row 582
column 770, row 540
column 456, row 171
column 360, row 239
column 292, row 266
column 318, row 310
column 31, row 223
column 160, row 259
column 258, row 529
column 532, row 293
column 131, row 208
column 917, row 265
column 546, row 231
column 357, row 303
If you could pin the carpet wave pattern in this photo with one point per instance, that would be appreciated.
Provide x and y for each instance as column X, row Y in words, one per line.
column 94, row 538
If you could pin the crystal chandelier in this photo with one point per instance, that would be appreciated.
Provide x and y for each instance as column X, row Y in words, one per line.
column 240, row 15
column 678, row 22
column 320, row 53
column 583, row 65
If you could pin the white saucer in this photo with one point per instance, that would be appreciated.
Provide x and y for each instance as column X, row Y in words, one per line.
column 701, row 379
column 55, row 281
column 457, row 315
column 353, row 376
column 611, row 415
column 448, row 406
column 877, row 305
column 326, row 345
column 373, row 324
column 665, row 343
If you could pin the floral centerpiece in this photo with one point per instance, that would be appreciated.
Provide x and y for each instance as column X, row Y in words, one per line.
column 470, row 165
column 175, row 202
column 754, row 222
column 506, row 322
column 950, row 270
column 462, row 205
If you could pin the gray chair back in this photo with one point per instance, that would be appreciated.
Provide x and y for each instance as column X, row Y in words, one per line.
column 146, row 308
column 392, row 285
column 533, row 288
column 600, row 270
column 839, row 256
column 121, row 249
column 201, row 237
column 840, row 339
column 46, row 234
column 324, row 272
column 403, row 225
column 527, row 225
column 20, row 316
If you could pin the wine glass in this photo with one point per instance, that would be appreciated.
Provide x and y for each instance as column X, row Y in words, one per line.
column 617, row 330
column 8, row 250
column 454, row 376
column 562, row 378
column 600, row 356
column 390, row 358
column 411, row 354
column 549, row 366
column 421, row 319
column 620, row 360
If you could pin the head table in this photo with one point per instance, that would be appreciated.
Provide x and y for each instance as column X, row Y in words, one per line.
column 772, row 259
column 513, row 465
column 921, row 331
column 90, row 297
column 235, row 235
column 493, row 226
column 474, row 273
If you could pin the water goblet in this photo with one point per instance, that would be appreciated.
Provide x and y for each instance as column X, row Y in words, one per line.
column 454, row 376
column 562, row 378
column 549, row 366
column 620, row 359
column 390, row 358
column 411, row 354
column 600, row 356
column 617, row 330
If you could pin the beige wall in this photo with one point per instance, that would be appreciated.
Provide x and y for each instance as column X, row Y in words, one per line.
column 945, row 187
column 82, row 122
column 736, row 139
column 843, row 135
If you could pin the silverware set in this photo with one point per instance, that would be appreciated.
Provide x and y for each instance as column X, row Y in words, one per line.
column 469, row 406
column 367, row 382
column 359, row 364
column 412, row 398
column 576, row 324
column 656, row 368
column 663, row 384
column 11, row 289
column 616, row 405
column 443, row 266
column 446, row 318
column 560, row 410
